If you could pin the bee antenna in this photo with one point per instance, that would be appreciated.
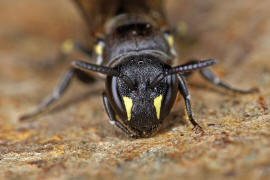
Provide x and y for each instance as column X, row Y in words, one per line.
column 191, row 67
column 86, row 66
column 181, row 69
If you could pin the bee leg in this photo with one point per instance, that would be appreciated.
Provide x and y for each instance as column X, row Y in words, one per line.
column 184, row 91
column 208, row 75
column 112, row 118
column 58, row 92
column 211, row 77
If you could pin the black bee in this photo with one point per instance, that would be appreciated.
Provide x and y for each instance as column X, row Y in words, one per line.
column 134, row 51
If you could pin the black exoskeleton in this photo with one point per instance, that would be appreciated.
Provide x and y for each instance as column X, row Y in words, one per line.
column 134, row 51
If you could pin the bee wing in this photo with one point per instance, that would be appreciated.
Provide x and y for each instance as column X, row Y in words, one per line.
column 97, row 12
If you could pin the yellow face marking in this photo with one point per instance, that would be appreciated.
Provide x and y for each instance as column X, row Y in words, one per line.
column 99, row 49
column 128, row 105
column 170, row 40
column 157, row 104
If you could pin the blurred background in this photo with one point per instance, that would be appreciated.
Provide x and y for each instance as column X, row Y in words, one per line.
column 75, row 140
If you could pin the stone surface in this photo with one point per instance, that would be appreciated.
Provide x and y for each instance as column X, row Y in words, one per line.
column 74, row 140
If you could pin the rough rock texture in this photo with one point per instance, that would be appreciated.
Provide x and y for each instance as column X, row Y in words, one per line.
column 75, row 140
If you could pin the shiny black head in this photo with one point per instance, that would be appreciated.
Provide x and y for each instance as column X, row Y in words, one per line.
column 140, row 105
column 141, row 90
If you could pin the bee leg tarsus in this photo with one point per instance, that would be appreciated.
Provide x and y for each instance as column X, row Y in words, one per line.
column 198, row 130
column 211, row 77
column 184, row 91
column 58, row 92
